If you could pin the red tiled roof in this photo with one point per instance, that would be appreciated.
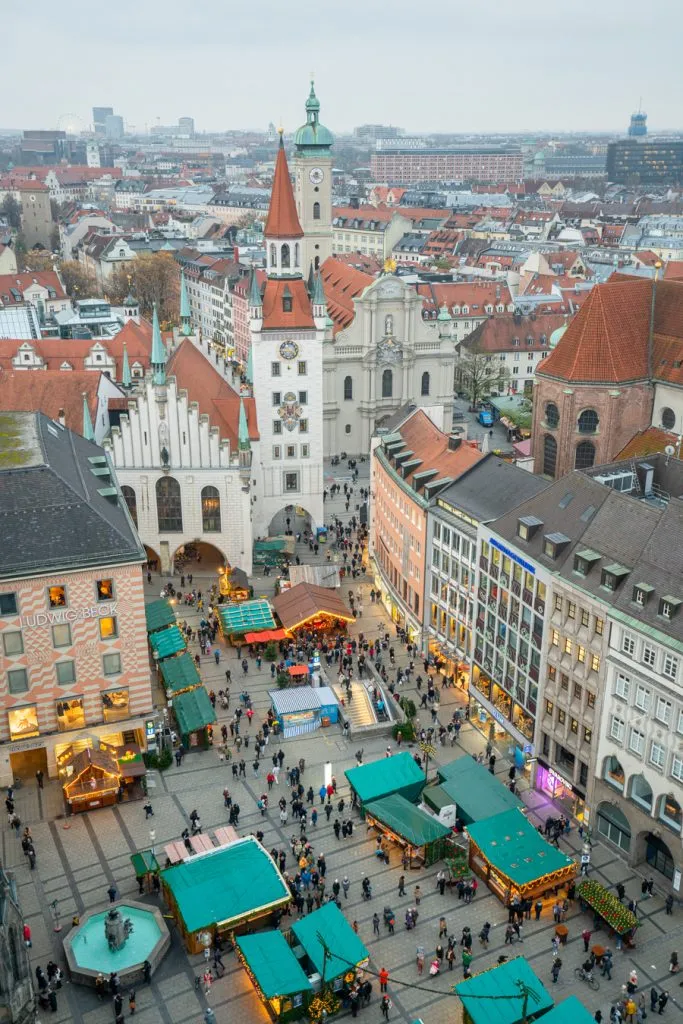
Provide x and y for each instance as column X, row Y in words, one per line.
column 367, row 212
column 359, row 261
column 56, row 351
column 607, row 341
column 648, row 442
column 464, row 294
column 49, row 392
column 342, row 284
column 212, row 393
column 673, row 271
column 45, row 278
column 274, row 315
column 431, row 446
column 497, row 333
column 647, row 257
column 282, row 220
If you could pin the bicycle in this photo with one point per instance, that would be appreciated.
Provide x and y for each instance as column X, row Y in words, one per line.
column 588, row 978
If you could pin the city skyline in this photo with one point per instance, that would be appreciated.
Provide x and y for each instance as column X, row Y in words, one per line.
column 588, row 74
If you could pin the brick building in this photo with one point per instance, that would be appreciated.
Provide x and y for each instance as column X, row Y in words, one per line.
column 474, row 163
column 73, row 654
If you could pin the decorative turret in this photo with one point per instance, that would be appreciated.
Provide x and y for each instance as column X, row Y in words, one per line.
column 444, row 322
column 283, row 229
column 131, row 308
column 126, row 377
column 255, row 303
column 319, row 303
column 313, row 138
column 185, row 316
column 88, row 432
column 158, row 350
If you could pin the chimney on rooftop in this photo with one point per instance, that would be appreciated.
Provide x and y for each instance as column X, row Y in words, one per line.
column 61, row 417
column 454, row 443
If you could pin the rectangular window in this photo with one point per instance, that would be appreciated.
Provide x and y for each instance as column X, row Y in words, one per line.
column 585, row 618
column 657, row 755
column 670, row 666
column 70, row 714
column 303, row 426
column 616, row 729
column 17, row 680
column 581, row 654
column 8, row 604
column 578, row 692
column 277, row 451
column 595, row 662
column 568, row 645
column 301, row 368
column 649, row 655
column 628, row 644
column 583, row 774
column 277, row 426
column 552, row 673
column 291, row 482
column 574, row 725
column 66, row 672
column 105, row 590
column 23, row 722
column 587, row 734
column 636, row 741
column 303, row 398
column 571, row 610
column 290, row 451
column 621, row 685
column 549, row 707
column 275, row 369
column 599, row 626
column 555, row 638
column 558, row 603
column 13, row 642
column 564, row 681
column 111, row 664
column 677, row 768
column 115, row 705
column 277, row 398
column 663, row 710
column 305, row 451
column 642, row 700
column 561, row 716
column 108, row 627
column 56, row 597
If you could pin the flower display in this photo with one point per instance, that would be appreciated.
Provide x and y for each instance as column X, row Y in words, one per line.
column 607, row 905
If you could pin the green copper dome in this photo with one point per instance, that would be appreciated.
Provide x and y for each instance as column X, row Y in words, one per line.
column 443, row 313
column 557, row 334
column 313, row 135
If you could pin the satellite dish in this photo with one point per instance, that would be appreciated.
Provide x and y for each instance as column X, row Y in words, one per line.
column 670, row 450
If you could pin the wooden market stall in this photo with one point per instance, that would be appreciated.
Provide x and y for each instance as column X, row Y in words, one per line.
column 420, row 835
column 569, row 1011
column 275, row 973
column 195, row 716
column 303, row 708
column 468, row 792
column 234, row 584
column 508, row 993
column 397, row 774
column 159, row 615
column 236, row 620
column 92, row 778
column 338, row 956
column 512, row 857
column 608, row 908
column 315, row 609
column 227, row 889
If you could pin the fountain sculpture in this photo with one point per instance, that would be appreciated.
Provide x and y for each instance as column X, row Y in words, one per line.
column 116, row 929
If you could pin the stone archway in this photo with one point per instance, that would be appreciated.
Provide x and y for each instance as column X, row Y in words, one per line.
column 199, row 558
column 153, row 559
column 291, row 520
column 653, row 848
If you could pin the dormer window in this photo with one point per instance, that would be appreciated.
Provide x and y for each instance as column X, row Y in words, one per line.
column 641, row 594
column 584, row 561
column 554, row 544
column 668, row 607
column 515, row 341
column 286, row 303
column 527, row 526
column 612, row 576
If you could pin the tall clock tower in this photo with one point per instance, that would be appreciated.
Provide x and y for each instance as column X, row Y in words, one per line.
column 288, row 327
column 313, row 178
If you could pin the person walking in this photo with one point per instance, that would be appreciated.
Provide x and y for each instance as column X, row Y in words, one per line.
column 385, row 1006
column 654, row 996
column 555, row 969
column 345, row 886
column 383, row 979
column 586, row 936
column 40, row 778
column 375, row 924
column 131, row 1002
column 538, row 908
column 418, row 895
column 663, row 1000
column 402, row 885
column 443, row 930
column 112, row 893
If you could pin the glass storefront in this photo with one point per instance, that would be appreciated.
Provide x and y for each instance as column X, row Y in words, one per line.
column 560, row 790
column 23, row 722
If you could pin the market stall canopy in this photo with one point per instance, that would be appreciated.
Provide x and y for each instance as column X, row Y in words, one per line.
column 167, row 642
column 494, row 996
column 193, row 710
column 144, row 863
column 263, row 636
column 406, row 820
column 210, row 888
column 298, row 670
column 512, row 845
column 158, row 615
column 569, row 1011
column 245, row 617
column 180, row 673
column 387, row 775
column 307, row 601
column 476, row 793
column 273, row 964
column 130, row 760
column 345, row 948
column 301, row 698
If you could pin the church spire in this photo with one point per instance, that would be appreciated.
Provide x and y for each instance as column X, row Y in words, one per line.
column 185, row 324
column 88, row 432
column 126, row 378
column 243, row 428
column 282, row 221
column 158, row 350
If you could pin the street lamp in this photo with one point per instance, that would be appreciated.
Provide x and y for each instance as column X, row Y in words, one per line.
column 152, row 839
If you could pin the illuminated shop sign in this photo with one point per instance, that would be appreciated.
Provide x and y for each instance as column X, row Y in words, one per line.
column 515, row 558
column 60, row 615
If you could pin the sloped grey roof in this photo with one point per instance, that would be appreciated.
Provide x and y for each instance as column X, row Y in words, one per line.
column 492, row 488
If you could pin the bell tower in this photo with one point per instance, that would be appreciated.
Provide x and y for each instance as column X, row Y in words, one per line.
column 313, row 185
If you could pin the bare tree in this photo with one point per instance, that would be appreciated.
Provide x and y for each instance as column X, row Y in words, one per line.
column 479, row 375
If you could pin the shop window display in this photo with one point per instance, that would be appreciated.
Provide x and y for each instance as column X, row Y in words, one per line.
column 115, row 705
column 70, row 714
column 23, row 722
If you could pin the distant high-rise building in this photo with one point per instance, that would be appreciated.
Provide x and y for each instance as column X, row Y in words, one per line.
column 44, row 147
column 642, row 161
column 638, row 126
column 373, row 132
column 99, row 118
column 113, row 126
column 186, row 125
column 462, row 163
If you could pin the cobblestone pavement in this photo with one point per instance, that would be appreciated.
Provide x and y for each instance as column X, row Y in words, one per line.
column 79, row 858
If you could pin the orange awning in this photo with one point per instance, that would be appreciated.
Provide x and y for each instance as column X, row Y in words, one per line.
column 297, row 670
column 264, row 635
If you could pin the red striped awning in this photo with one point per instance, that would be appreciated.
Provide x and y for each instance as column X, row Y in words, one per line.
column 297, row 670
column 264, row 635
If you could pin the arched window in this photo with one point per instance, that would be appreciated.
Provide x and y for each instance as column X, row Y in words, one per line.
column 284, row 256
column 549, row 455
column 316, row 211
column 211, row 510
column 668, row 418
column 316, row 263
column 588, row 421
column 613, row 772
column 670, row 812
column 296, row 254
column 387, row 384
column 388, row 324
column 131, row 501
column 552, row 415
column 640, row 792
column 658, row 855
column 613, row 824
column 273, row 255
column 424, row 386
column 348, row 389
column 585, row 455
column 169, row 505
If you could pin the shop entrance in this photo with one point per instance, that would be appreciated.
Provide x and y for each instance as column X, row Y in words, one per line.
column 658, row 855
column 25, row 763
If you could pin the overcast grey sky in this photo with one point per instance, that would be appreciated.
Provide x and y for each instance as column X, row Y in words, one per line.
column 439, row 65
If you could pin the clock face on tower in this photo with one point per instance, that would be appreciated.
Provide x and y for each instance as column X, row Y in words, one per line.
column 289, row 350
column 316, row 175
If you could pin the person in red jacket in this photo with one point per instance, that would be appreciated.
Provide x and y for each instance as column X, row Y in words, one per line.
column 383, row 979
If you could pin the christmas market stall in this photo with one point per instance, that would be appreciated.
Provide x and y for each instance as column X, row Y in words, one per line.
column 145, row 866
column 569, row 1011
column 159, row 615
column 513, row 858
column 228, row 889
column 475, row 792
column 312, row 608
column 195, row 716
column 276, row 974
column 397, row 774
column 166, row 642
column 608, row 908
column 508, row 993
column 330, row 953
column 234, row 584
column 92, row 778
column 179, row 674
column 236, row 620
column 303, row 708
column 420, row 835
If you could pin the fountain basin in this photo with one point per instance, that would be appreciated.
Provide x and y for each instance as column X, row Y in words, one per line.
column 87, row 950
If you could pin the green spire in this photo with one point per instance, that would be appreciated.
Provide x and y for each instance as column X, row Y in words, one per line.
column 312, row 103
column 250, row 365
column 243, row 429
column 185, row 324
column 255, row 299
column 318, row 292
column 158, row 350
column 88, row 432
column 310, row 283
column 126, row 378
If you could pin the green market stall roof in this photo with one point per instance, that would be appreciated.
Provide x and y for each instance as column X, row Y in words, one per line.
column 193, row 710
column 406, row 820
column 245, row 617
column 227, row 884
column 180, row 673
column 514, row 848
column 273, row 964
column 437, row 798
column 494, row 996
column 345, row 948
column 144, row 863
column 397, row 774
column 569, row 1011
column 476, row 793
column 167, row 642
column 607, row 905
column 158, row 615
